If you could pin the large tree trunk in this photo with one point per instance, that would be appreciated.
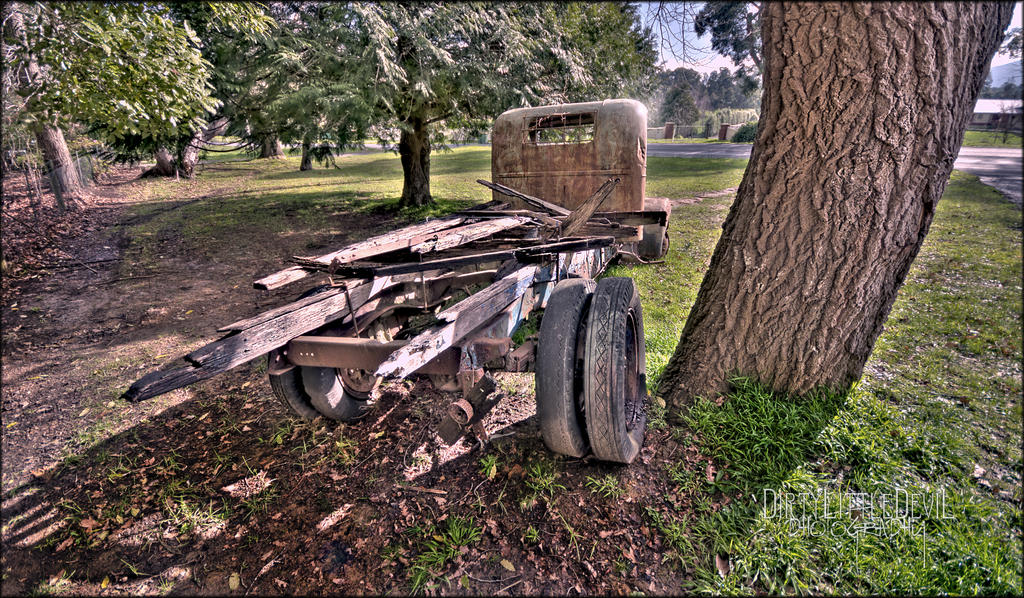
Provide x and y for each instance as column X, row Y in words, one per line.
column 307, row 160
column 271, row 148
column 164, row 163
column 190, row 155
column 414, row 150
column 863, row 113
column 63, row 170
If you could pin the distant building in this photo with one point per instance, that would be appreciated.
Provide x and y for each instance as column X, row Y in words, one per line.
column 996, row 114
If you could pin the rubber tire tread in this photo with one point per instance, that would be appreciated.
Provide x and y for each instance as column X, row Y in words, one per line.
column 327, row 394
column 605, row 361
column 563, row 432
column 288, row 389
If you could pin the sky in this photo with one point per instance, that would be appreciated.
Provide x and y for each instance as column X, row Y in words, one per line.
column 706, row 60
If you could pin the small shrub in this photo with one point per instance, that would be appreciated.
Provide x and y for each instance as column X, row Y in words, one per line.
column 746, row 133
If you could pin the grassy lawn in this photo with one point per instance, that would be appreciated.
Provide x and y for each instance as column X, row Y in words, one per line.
column 991, row 139
column 909, row 483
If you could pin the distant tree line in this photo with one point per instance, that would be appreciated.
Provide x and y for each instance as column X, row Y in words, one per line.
column 690, row 99
column 163, row 80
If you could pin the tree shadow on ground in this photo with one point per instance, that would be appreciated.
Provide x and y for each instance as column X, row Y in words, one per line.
column 227, row 482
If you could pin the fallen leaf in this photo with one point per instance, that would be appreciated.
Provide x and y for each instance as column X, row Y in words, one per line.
column 508, row 564
column 709, row 472
column 105, row 582
column 89, row 523
column 280, row 582
column 63, row 545
column 978, row 471
column 234, row 581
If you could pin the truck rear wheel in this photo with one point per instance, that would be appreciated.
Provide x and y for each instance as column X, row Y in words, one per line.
column 288, row 389
column 288, row 386
column 329, row 395
column 559, row 368
column 615, row 381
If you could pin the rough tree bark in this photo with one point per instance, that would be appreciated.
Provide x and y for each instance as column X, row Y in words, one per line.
column 190, row 155
column 863, row 112
column 64, row 171
column 271, row 147
column 164, row 164
column 307, row 159
column 414, row 150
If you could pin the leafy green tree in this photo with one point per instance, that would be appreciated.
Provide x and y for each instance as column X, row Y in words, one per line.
column 459, row 63
column 80, row 62
column 724, row 90
column 679, row 106
column 1012, row 46
column 735, row 29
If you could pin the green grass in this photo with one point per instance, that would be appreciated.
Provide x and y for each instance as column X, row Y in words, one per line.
column 438, row 548
column 272, row 199
column 685, row 177
column 991, row 139
column 940, row 398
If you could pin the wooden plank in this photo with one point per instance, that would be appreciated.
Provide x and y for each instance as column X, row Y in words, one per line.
column 162, row 381
column 468, row 233
column 543, row 218
column 624, row 234
column 281, row 278
column 239, row 348
column 379, row 284
column 463, row 318
column 277, row 311
column 585, row 210
column 531, row 200
column 399, row 239
column 388, row 242
column 370, row 270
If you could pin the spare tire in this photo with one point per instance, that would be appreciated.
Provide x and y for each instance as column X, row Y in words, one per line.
column 615, row 380
column 559, row 371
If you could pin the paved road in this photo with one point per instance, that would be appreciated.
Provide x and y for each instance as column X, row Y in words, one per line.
column 999, row 167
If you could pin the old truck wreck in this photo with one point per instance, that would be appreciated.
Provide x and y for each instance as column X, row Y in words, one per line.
column 443, row 298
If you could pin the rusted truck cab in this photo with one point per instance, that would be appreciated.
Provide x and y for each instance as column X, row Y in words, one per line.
column 563, row 153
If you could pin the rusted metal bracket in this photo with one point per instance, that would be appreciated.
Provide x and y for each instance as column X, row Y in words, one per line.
column 277, row 363
column 522, row 359
column 470, row 411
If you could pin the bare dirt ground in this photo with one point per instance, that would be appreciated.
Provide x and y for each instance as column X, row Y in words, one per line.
column 215, row 489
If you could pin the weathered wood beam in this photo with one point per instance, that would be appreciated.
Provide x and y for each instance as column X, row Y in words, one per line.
column 238, row 348
column 370, row 270
column 392, row 241
column 583, row 212
column 463, row 318
column 529, row 199
column 465, row 234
